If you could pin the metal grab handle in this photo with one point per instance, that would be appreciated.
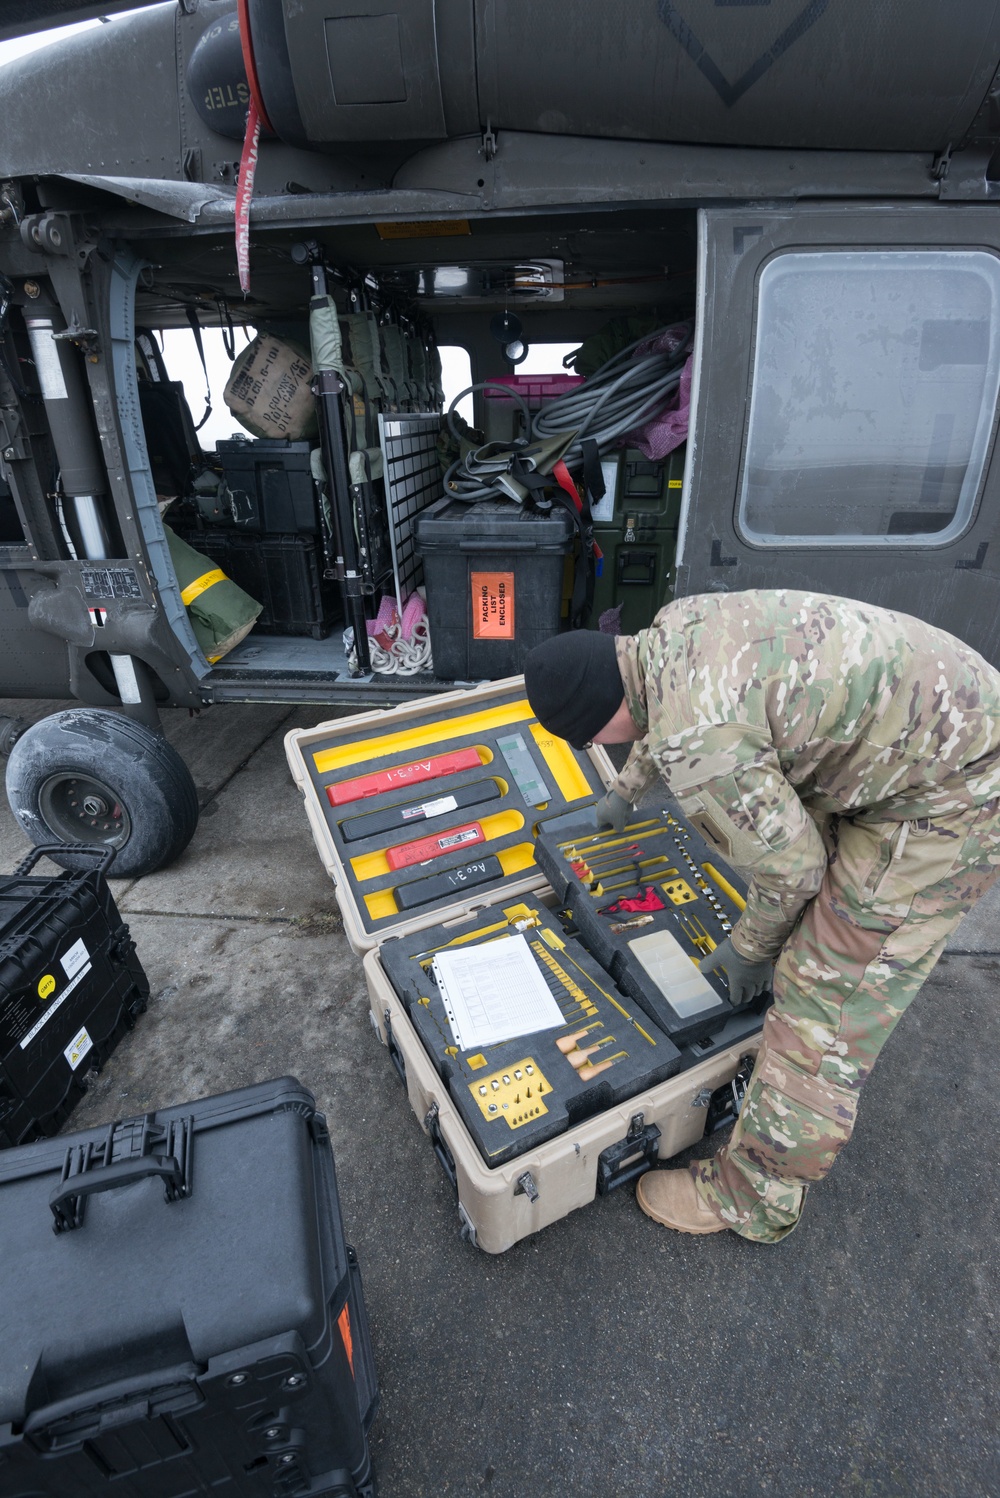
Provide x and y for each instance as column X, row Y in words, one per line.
column 108, row 1177
column 105, row 856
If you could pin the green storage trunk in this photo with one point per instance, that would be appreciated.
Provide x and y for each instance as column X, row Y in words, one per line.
column 635, row 526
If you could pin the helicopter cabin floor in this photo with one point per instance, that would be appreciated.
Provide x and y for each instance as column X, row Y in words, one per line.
column 604, row 1356
column 295, row 669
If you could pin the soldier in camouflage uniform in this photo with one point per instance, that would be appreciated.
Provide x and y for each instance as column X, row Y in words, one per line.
column 847, row 760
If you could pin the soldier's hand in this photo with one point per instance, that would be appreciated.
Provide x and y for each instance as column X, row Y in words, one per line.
column 746, row 977
column 612, row 811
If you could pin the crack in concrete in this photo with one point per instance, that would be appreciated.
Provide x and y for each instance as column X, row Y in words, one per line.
column 200, row 915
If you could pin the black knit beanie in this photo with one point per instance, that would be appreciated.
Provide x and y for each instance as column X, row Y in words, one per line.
column 574, row 684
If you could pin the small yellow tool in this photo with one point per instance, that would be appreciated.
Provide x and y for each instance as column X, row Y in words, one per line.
column 697, row 935
column 584, row 847
column 514, row 1094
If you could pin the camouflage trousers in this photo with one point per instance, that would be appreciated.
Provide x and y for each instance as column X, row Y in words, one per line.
column 892, row 894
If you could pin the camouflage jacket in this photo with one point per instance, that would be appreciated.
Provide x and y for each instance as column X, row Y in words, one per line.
column 769, row 712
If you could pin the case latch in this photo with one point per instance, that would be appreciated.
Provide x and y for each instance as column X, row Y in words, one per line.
column 630, row 1157
column 727, row 1100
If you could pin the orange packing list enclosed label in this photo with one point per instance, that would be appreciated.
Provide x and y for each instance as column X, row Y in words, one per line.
column 493, row 605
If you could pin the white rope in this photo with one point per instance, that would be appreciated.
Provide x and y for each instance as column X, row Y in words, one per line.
column 402, row 658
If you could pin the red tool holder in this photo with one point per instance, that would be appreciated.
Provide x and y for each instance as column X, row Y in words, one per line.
column 417, row 770
column 424, row 848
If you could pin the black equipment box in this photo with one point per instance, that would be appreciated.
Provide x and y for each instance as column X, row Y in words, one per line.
column 494, row 577
column 662, row 884
column 271, row 486
column 71, row 986
column 284, row 573
column 181, row 1312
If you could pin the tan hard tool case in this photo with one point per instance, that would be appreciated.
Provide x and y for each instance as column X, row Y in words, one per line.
column 375, row 755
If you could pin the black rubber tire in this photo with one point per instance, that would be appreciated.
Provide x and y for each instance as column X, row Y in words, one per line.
column 156, row 797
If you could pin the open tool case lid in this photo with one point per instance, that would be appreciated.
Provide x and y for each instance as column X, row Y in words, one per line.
column 429, row 810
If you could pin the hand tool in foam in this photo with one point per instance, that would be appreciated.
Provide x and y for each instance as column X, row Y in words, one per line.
column 414, row 773
column 617, row 865
column 640, row 920
column 438, row 731
column 604, row 994
column 579, row 1058
column 640, row 872
column 423, row 849
column 587, row 1073
column 611, row 839
column 406, row 813
column 567, row 1043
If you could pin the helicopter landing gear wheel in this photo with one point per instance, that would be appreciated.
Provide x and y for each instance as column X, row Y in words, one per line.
column 87, row 775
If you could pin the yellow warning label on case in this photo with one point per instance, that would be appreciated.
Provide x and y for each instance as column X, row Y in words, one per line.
column 492, row 605
column 46, row 986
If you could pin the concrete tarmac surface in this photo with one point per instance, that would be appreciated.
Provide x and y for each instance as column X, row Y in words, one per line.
column 604, row 1357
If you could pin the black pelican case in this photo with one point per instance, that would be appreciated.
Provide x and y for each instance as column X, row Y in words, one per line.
column 179, row 1311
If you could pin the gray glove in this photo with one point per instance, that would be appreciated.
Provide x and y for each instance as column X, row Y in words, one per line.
column 612, row 811
column 746, row 978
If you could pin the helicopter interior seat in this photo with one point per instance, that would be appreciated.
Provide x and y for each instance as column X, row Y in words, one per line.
column 175, row 454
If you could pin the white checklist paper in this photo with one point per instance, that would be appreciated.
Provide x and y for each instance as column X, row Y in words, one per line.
column 494, row 992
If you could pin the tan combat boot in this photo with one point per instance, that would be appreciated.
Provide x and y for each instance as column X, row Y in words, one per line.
column 669, row 1197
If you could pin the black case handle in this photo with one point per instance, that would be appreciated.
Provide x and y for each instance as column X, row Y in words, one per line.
column 108, row 1177
column 131, row 1150
column 105, row 856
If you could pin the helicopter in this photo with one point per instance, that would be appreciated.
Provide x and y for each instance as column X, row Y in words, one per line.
column 810, row 186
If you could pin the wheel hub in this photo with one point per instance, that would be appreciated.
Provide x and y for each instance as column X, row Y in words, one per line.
column 82, row 809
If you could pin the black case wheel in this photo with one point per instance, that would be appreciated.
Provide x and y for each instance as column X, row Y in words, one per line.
column 91, row 776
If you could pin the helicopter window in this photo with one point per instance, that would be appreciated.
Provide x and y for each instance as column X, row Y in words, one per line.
column 456, row 376
column 874, row 387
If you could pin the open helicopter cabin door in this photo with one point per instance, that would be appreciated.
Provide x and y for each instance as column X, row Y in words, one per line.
column 844, row 409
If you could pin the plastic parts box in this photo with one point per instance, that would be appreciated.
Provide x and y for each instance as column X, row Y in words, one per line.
column 494, row 578
column 271, row 485
column 70, row 987
column 196, row 1322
